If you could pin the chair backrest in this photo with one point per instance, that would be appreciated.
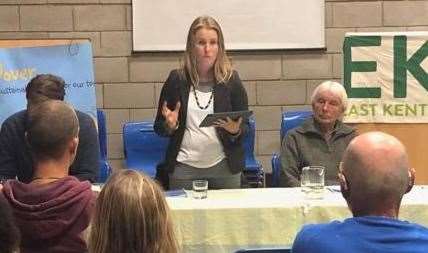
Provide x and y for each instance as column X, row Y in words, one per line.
column 265, row 250
column 292, row 119
column 105, row 169
column 249, row 139
column 276, row 167
column 102, row 133
column 289, row 120
column 144, row 149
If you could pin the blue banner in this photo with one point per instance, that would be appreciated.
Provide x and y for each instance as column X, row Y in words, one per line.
column 72, row 62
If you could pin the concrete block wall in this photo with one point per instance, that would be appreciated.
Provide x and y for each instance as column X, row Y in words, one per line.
column 128, row 85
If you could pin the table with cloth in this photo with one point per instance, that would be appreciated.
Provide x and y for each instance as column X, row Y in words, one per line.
column 265, row 217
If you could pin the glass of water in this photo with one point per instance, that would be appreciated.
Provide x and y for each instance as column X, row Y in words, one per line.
column 312, row 181
column 200, row 189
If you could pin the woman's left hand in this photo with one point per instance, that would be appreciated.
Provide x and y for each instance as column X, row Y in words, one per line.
column 231, row 126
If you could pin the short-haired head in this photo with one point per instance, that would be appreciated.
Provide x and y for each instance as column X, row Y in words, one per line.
column 375, row 174
column 45, row 87
column 222, row 65
column 51, row 126
column 131, row 215
column 334, row 87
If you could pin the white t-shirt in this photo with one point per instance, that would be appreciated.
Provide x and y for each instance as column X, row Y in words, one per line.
column 200, row 147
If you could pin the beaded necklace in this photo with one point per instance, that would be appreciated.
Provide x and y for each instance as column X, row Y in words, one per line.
column 197, row 100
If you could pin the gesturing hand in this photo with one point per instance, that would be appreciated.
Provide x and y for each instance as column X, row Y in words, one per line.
column 171, row 116
column 232, row 126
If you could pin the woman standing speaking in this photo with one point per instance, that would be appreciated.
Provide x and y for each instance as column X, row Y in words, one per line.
column 206, row 83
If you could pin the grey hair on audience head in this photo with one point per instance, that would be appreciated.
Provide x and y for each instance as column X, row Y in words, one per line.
column 336, row 88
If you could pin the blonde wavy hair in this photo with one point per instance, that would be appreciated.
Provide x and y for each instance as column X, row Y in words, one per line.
column 131, row 215
column 222, row 66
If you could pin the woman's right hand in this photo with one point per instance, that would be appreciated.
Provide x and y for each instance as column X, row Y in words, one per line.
column 171, row 116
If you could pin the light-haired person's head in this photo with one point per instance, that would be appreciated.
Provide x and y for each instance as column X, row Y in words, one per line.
column 375, row 174
column 44, row 87
column 222, row 66
column 131, row 215
column 52, row 131
column 329, row 102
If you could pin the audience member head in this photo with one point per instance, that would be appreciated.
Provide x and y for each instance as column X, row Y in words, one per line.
column 44, row 87
column 375, row 174
column 52, row 132
column 131, row 215
column 206, row 28
column 329, row 102
column 9, row 233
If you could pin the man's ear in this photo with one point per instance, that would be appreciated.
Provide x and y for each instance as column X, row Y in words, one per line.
column 411, row 174
column 344, row 187
column 73, row 145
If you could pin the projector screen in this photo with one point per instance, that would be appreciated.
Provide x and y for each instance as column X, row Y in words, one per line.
column 162, row 25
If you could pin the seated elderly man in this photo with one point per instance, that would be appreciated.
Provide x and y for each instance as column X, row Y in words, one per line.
column 53, row 209
column 373, row 179
column 320, row 140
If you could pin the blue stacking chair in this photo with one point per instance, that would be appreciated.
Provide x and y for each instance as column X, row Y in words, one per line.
column 253, row 173
column 144, row 149
column 265, row 250
column 289, row 120
column 105, row 169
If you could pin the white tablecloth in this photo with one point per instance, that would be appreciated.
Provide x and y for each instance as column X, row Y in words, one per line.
column 265, row 217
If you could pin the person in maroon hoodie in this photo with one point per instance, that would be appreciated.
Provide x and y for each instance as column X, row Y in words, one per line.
column 53, row 209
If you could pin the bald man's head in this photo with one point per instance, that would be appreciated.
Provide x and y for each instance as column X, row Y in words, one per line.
column 376, row 170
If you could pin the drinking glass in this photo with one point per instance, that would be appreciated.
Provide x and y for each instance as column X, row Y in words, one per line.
column 312, row 181
column 200, row 189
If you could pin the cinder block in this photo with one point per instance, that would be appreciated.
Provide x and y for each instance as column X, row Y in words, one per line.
column 289, row 108
column 381, row 29
column 72, row 1
column 267, row 142
column 99, row 92
column 117, row 164
column 94, row 37
column 267, row 117
column 335, row 37
column 150, row 68
column 46, row 18
column 250, row 88
column 130, row 95
column 23, row 35
column 357, row 14
column 417, row 28
column 115, row 146
column 116, row 43
column 258, row 67
column 281, row 92
column 111, row 69
column 128, row 17
column 115, row 1
column 99, row 17
column 307, row 66
column 9, row 18
column 115, row 118
column 338, row 66
column 143, row 114
column 22, row 2
column 405, row 13
column 328, row 15
column 158, row 89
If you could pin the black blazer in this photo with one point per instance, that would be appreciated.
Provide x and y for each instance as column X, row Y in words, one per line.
column 230, row 96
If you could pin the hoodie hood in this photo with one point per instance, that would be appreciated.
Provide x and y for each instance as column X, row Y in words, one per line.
column 50, row 212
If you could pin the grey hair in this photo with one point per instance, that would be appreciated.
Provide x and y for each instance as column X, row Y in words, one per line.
column 335, row 88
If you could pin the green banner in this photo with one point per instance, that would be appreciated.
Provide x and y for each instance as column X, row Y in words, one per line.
column 386, row 78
